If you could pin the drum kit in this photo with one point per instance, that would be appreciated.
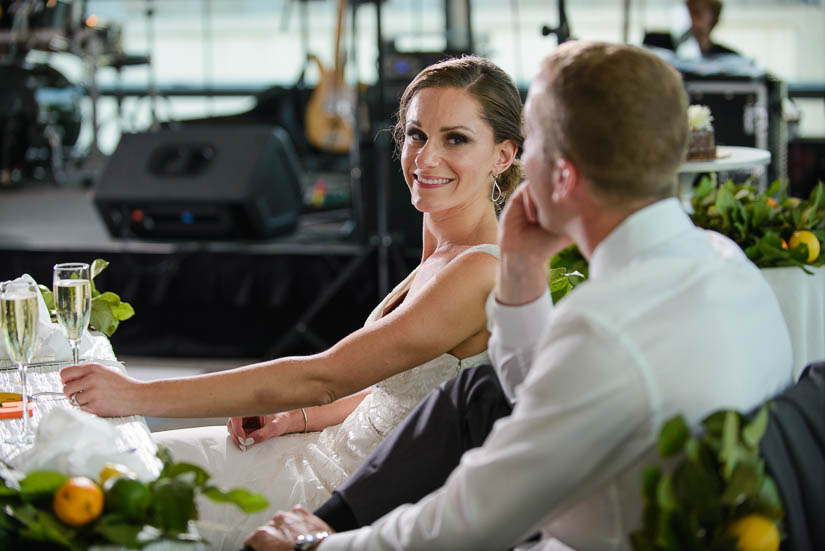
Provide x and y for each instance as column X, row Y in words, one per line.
column 40, row 108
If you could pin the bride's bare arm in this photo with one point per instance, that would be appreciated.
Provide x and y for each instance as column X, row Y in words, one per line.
column 292, row 421
column 321, row 417
column 447, row 311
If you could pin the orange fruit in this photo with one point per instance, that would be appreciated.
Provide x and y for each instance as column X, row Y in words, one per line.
column 78, row 501
column 809, row 239
column 755, row 533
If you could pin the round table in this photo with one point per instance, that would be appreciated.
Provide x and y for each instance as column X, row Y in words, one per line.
column 728, row 158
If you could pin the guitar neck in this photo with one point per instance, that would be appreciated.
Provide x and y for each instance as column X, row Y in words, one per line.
column 339, row 32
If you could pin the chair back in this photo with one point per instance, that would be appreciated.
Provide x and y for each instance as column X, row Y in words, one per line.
column 793, row 448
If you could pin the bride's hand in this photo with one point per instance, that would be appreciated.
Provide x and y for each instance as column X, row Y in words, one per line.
column 102, row 390
column 271, row 426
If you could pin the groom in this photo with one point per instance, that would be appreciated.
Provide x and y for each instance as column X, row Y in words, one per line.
column 672, row 320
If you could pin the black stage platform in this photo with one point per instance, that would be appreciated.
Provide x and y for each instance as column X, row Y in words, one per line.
column 294, row 294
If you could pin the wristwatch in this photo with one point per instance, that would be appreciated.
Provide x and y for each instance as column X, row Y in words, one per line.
column 307, row 542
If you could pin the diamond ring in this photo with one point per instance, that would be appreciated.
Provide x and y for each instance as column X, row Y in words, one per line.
column 73, row 400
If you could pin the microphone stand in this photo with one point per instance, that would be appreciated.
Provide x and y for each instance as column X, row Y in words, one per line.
column 562, row 31
column 383, row 151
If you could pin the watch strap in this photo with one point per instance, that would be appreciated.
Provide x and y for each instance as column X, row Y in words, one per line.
column 307, row 542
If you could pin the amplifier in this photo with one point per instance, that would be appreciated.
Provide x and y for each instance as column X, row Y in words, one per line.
column 209, row 182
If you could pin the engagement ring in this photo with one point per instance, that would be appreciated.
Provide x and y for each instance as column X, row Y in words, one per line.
column 73, row 400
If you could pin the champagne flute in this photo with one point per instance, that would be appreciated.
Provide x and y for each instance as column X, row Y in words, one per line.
column 72, row 301
column 18, row 323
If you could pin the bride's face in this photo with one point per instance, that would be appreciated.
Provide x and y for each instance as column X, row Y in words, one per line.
column 449, row 150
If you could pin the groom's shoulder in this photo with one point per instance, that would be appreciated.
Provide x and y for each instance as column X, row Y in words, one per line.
column 666, row 286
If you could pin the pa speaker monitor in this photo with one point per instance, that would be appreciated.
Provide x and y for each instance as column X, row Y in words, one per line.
column 209, row 182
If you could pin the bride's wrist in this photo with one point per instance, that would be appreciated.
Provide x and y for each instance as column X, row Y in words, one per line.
column 298, row 420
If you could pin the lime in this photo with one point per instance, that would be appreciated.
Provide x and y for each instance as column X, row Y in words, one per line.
column 127, row 496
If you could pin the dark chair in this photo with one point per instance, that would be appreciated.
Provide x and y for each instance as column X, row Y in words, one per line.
column 793, row 448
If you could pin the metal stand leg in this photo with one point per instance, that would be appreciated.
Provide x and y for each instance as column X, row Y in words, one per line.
column 301, row 327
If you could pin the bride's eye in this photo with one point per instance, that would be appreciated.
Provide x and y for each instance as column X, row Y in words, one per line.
column 414, row 134
column 456, row 139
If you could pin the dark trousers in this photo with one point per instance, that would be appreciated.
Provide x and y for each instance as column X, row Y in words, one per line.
column 421, row 452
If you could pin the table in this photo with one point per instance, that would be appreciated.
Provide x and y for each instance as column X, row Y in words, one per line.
column 728, row 158
column 802, row 301
column 133, row 432
column 44, row 375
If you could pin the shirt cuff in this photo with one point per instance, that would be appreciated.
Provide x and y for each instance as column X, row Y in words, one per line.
column 518, row 326
column 344, row 541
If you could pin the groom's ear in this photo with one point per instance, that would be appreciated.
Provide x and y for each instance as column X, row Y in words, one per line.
column 565, row 178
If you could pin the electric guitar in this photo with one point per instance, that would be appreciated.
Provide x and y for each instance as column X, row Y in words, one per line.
column 329, row 115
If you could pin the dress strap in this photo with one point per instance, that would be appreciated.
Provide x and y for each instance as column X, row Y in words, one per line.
column 489, row 248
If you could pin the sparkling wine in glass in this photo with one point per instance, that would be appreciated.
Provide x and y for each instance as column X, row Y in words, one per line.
column 18, row 323
column 72, row 301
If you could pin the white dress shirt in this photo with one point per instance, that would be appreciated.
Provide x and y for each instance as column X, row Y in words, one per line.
column 673, row 319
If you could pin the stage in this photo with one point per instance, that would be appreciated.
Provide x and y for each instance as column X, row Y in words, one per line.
column 292, row 294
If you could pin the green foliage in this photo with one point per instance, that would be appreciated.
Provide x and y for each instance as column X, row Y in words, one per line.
column 567, row 269
column 107, row 308
column 717, row 478
column 761, row 223
column 248, row 503
column 40, row 483
column 136, row 513
column 673, row 437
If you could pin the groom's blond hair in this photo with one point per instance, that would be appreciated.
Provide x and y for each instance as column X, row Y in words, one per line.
column 619, row 113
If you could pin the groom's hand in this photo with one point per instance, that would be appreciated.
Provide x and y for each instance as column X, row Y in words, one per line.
column 526, row 248
column 280, row 533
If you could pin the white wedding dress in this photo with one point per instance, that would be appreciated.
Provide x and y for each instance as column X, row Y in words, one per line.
column 303, row 469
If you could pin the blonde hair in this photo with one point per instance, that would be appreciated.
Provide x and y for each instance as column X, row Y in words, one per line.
column 619, row 114
column 495, row 92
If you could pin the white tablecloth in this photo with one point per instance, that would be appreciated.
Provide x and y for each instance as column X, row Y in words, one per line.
column 802, row 300
column 45, row 376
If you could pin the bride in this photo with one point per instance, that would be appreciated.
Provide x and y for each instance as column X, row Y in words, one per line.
column 458, row 132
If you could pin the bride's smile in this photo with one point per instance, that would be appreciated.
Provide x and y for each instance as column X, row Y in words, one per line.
column 425, row 181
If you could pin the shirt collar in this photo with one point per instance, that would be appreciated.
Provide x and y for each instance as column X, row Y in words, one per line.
column 642, row 231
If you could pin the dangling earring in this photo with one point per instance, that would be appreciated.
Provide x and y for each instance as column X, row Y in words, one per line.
column 495, row 194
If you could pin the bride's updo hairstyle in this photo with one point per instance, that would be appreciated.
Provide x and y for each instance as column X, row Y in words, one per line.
column 493, row 89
